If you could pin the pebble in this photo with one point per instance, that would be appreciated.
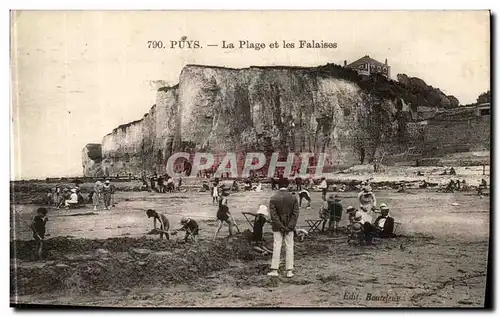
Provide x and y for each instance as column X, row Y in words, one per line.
column 141, row 251
column 163, row 253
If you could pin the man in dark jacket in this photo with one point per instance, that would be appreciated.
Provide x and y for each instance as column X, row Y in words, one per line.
column 284, row 210
column 384, row 224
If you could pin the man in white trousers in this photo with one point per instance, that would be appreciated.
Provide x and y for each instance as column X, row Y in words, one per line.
column 284, row 210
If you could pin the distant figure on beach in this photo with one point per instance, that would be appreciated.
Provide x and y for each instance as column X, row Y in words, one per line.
column 215, row 194
column 107, row 191
column 298, row 183
column 324, row 188
column 274, row 184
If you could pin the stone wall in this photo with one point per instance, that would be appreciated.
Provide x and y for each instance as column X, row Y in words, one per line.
column 442, row 137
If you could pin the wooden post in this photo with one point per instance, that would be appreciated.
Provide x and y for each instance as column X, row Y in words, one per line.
column 484, row 169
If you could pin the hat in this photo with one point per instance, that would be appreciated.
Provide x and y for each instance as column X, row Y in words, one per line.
column 337, row 198
column 383, row 207
column 367, row 188
column 262, row 210
column 350, row 208
column 107, row 181
column 73, row 190
column 184, row 219
column 284, row 183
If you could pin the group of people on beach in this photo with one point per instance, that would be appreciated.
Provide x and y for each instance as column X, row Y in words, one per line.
column 162, row 183
column 72, row 197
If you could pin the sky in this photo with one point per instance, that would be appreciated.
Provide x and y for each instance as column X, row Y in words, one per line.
column 76, row 75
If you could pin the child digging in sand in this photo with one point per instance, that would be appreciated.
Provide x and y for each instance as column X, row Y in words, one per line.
column 164, row 223
column 190, row 226
column 38, row 226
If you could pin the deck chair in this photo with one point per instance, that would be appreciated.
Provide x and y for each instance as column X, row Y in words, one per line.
column 250, row 220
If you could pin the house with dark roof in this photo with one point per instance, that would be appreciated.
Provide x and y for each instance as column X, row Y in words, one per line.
column 367, row 66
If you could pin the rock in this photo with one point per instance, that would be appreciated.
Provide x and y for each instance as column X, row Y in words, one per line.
column 62, row 266
column 101, row 252
column 141, row 251
column 78, row 257
column 141, row 263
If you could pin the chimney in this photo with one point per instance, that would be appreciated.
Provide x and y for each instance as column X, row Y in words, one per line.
column 386, row 62
column 345, row 63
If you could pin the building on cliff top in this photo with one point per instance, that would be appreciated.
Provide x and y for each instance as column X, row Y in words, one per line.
column 366, row 66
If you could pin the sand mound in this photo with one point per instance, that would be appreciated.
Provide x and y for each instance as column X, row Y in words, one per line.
column 78, row 266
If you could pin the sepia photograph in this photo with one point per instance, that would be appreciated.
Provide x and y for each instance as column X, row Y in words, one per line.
column 258, row 159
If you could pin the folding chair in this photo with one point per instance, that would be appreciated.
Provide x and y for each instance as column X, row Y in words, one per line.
column 313, row 225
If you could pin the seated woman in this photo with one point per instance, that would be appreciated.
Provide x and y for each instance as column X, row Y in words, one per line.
column 73, row 199
column 384, row 225
column 257, row 238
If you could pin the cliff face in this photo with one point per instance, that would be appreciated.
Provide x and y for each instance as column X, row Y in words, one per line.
column 264, row 109
column 91, row 159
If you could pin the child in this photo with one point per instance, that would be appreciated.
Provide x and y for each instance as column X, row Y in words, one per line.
column 304, row 194
column 164, row 223
column 190, row 226
column 324, row 214
column 215, row 194
column 335, row 208
column 223, row 215
column 38, row 227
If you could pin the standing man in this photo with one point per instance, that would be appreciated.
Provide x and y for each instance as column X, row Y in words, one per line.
column 298, row 182
column 284, row 210
column 153, row 182
column 161, row 184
